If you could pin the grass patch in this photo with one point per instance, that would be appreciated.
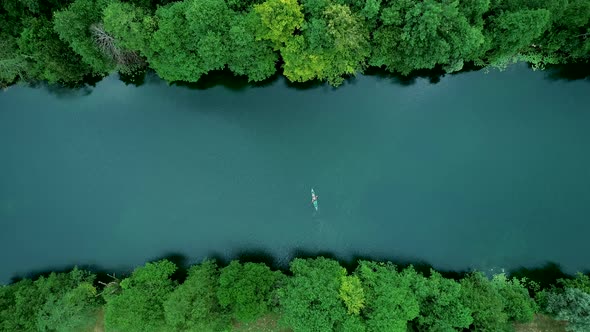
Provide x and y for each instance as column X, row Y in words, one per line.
column 541, row 323
column 266, row 323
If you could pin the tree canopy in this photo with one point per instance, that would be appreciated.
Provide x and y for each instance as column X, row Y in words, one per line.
column 64, row 41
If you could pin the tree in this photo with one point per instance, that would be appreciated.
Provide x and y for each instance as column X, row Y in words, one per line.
column 73, row 25
column 76, row 310
column 441, row 308
column 331, row 46
column 390, row 301
column 248, row 290
column 13, row 65
column 49, row 58
column 571, row 305
column 485, row 302
column 130, row 25
column 518, row 304
column 310, row 300
column 352, row 294
column 249, row 56
column 58, row 302
column 419, row 35
column 19, row 305
column 139, row 306
column 191, row 39
column 279, row 20
column 193, row 306
column 581, row 282
column 510, row 33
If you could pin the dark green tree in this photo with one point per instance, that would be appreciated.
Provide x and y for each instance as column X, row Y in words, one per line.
column 249, row 56
column 420, row 35
column 191, row 39
column 310, row 300
column 80, row 26
column 485, row 302
column 390, row 300
column 248, row 290
column 49, row 58
column 193, row 306
column 441, row 308
column 518, row 304
column 140, row 305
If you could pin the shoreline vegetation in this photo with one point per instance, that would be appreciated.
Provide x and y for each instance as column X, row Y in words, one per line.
column 73, row 41
column 314, row 294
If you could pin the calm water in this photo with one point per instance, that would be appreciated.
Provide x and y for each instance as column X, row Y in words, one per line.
column 476, row 171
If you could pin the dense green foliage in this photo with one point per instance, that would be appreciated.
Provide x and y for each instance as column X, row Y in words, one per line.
column 329, row 40
column 58, row 302
column 318, row 295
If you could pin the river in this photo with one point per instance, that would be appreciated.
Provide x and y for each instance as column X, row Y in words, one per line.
column 478, row 170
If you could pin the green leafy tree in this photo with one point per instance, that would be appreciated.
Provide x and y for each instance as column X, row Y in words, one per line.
column 334, row 45
column 352, row 294
column 518, row 304
column 485, row 302
column 571, row 305
column 581, row 282
column 249, row 56
column 310, row 300
column 191, row 39
column 441, row 308
column 49, row 58
column 390, row 300
column 139, row 306
column 510, row 33
column 279, row 20
column 248, row 290
column 419, row 35
column 76, row 310
column 13, row 64
column 130, row 25
column 19, row 304
column 74, row 26
column 58, row 302
column 193, row 306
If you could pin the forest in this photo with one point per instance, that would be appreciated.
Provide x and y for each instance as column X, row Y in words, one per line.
column 314, row 294
column 70, row 41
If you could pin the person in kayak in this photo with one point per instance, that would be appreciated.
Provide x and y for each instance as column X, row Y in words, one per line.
column 314, row 198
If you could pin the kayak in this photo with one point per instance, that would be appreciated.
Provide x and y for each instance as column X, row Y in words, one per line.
column 314, row 199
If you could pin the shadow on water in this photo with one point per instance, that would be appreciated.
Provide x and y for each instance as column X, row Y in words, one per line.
column 545, row 275
column 569, row 72
column 227, row 79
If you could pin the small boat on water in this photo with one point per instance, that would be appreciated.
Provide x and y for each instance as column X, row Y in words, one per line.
column 314, row 199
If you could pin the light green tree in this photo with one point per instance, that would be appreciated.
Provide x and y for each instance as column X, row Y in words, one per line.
column 352, row 294
column 279, row 20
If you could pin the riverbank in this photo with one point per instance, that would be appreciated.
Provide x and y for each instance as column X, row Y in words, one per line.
column 314, row 294
column 318, row 40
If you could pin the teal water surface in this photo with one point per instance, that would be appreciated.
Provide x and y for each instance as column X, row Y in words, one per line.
column 477, row 171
